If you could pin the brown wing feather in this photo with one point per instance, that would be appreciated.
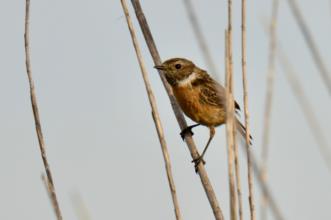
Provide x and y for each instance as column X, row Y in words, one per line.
column 212, row 92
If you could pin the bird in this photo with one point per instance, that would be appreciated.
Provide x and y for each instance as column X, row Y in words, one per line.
column 200, row 97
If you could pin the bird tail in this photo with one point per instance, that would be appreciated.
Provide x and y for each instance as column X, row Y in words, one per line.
column 242, row 130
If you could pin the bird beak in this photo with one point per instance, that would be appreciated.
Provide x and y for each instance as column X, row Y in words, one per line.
column 159, row 67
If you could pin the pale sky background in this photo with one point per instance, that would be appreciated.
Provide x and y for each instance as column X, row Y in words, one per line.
column 101, row 140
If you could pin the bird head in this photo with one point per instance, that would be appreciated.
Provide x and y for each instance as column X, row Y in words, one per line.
column 176, row 69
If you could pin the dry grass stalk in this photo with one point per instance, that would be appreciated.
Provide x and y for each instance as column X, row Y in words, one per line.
column 268, row 103
column 249, row 163
column 229, row 63
column 155, row 113
column 49, row 190
column 200, row 38
column 306, row 106
column 177, row 111
column 36, row 114
column 230, row 130
column 229, row 36
column 325, row 74
column 238, row 178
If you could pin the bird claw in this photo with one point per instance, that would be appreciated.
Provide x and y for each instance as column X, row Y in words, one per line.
column 197, row 161
column 185, row 131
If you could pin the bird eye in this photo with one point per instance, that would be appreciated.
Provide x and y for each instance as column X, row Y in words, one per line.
column 178, row 66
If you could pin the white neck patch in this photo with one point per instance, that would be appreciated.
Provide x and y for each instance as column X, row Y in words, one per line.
column 188, row 80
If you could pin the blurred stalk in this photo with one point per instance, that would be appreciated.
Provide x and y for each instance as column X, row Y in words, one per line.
column 268, row 103
column 277, row 213
column 306, row 107
column 317, row 57
column 201, row 39
column 80, row 208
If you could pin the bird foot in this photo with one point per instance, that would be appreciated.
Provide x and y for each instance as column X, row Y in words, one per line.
column 185, row 131
column 197, row 161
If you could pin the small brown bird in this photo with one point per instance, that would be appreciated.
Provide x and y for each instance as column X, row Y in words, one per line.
column 200, row 97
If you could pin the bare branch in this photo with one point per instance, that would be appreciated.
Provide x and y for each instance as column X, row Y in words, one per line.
column 178, row 113
column 155, row 113
column 36, row 113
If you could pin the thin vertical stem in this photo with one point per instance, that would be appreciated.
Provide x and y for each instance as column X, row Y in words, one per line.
column 268, row 103
column 200, row 38
column 249, row 163
column 36, row 114
column 230, row 131
column 229, row 33
column 229, row 69
column 319, row 62
column 48, row 188
column 238, row 178
column 155, row 112
column 178, row 113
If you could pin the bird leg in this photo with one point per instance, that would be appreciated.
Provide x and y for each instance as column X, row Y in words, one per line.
column 188, row 130
column 200, row 158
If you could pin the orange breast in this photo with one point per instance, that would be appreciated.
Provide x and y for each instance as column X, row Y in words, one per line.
column 188, row 99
